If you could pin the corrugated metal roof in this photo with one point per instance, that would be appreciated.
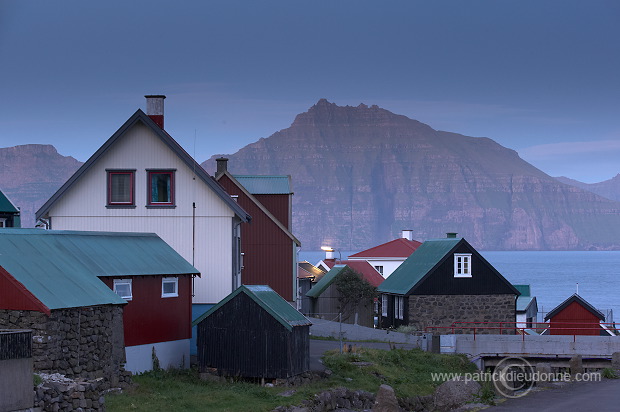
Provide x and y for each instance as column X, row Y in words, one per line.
column 6, row 205
column 397, row 248
column 61, row 268
column 265, row 185
column 269, row 300
column 416, row 266
column 523, row 289
column 325, row 281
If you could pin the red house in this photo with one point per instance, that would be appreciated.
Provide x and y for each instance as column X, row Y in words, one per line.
column 575, row 316
column 54, row 276
column 268, row 247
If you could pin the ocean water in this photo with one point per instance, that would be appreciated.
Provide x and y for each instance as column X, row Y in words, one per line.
column 552, row 276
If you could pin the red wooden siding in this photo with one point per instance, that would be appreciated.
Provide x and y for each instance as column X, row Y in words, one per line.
column 14, row 296
column 572, row 320
column 149, row 318
column 268, row 251
column 279, row 206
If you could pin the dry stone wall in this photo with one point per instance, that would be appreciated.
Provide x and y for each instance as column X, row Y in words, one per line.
column 85, row 342
column 443, row 310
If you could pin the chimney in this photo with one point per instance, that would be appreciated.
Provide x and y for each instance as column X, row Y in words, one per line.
column 329, row 255
column 155, row 108
column 451, row 235
column 407, row 234
column 222, row 166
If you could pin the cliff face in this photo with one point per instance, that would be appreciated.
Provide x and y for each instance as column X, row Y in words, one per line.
column 608, row 188
column 361, row 174
column 30, row 174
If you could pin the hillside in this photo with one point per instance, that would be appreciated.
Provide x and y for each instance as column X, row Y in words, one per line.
column 361, row 174
column 30, row 174
column 607, row 188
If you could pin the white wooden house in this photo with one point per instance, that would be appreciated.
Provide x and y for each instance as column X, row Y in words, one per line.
column 142, row 180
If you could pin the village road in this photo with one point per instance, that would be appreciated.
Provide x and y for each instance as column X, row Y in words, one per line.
column 574, row 397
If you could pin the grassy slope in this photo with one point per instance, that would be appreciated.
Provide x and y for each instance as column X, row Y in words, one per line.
column 408, row 372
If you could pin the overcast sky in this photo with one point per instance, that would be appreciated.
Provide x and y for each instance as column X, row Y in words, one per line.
column 541, row 77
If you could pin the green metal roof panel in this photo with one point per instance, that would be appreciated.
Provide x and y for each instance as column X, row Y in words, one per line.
column 523, row 289
column 269, row 300
column 325, row 281
column 416, row 266
column 61, row 268
column 6, row 205
column 265, row 185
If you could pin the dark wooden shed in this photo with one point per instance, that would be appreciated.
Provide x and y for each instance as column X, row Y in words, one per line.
column 254, row 332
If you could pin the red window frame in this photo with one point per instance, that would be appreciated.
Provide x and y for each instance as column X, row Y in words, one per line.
column 131, row 174
column 149, row 192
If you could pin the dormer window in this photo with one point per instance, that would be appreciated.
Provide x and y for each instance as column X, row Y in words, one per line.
column 462, row 265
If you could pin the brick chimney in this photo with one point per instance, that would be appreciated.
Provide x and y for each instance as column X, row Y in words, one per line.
column 222, row 166
column 407, row 234
column 155, row 108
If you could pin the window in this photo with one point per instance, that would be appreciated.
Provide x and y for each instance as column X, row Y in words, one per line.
column 384, row 305
column 169, row 287
column 161, row 188
column 122, row 287
column 2, row 222
column 120, row 188
column 462, row 265
column 379, row 269
column 400, row 307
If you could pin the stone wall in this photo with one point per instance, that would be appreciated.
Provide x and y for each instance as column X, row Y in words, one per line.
column 83, row 342
column 443, row 310
column 58, row 393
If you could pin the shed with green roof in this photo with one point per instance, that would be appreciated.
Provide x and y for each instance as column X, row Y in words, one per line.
column 9, row 213
column 447, row 282
column 254, row 332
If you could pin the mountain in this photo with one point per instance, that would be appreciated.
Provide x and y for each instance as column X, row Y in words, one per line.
column 361, row 174
column 30, row 174
column 608, row 188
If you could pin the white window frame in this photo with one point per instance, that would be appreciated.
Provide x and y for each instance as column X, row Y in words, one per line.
column 399, row 307
column 462, row 265
column 170, row 280
column 384, row 305
column 379, row 269
column 123, row 282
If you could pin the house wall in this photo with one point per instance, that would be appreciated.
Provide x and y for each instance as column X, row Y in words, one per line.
column 327, row 306
column 389, row 266
column 269, row 256
column 14, row 296
column 242, row 339
column 279, row 206
column 83, row 207
column 442, row 310
column 78, row 342
column 574, row 320
column 148, row 318
column 171, row 354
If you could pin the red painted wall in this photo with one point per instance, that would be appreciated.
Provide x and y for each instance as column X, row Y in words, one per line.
column 14, row 296
column 268, row 251
column 149, row 318
column 571, row 319
column 279, row 206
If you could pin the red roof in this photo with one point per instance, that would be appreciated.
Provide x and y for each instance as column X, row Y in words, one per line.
column 395, row 248
column 362, row 267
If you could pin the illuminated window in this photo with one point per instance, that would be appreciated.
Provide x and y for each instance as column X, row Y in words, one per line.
column 169, row 287
column 462, row 265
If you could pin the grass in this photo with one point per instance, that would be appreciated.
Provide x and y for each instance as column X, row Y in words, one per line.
column 407, row 371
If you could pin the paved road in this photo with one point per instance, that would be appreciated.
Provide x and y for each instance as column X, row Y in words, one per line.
column 321, row 327
column 573, row 397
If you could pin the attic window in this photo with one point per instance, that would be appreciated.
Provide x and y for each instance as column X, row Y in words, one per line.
column 169, row 287
column 120, row 188
column 462, row 265
column 122, row 287
column 161, row 188
column 379, row 269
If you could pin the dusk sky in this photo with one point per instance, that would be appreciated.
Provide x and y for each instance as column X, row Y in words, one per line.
column 541, row 77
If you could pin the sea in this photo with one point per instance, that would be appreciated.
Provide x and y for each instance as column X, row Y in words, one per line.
column 552, row 276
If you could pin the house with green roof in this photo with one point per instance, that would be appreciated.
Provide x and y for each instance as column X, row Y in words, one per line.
column 527, row 308
column 9, row 213
column 109, row 298
column 254, row 332
column 446, row 281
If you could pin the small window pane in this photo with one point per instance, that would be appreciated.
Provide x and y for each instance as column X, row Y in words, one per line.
column 169, row 287
column 161, row 191
column 123, row 288
column 120, row 188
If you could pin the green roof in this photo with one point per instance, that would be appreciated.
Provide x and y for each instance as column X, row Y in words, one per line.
column 523, row 302
column 428, row 255
column 325, row 281
column 6, row 205
column 523, row 289
column 62, row 268
column 269, row 300
column 265, row 185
